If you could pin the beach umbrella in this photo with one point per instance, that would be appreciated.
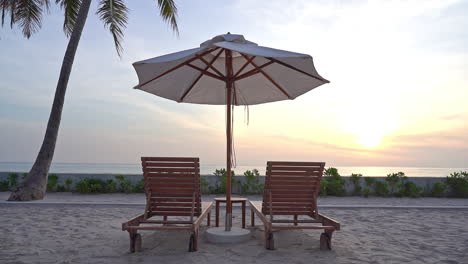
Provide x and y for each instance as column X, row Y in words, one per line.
column 228, row 70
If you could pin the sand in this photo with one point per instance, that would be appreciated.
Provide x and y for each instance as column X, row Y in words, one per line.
column 65, row 233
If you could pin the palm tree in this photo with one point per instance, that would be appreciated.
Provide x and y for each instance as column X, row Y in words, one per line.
column 27, row 15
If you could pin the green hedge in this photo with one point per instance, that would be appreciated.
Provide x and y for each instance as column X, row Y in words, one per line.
column 395, row 184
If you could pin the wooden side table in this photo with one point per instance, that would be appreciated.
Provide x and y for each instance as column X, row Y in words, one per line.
column 233, row 200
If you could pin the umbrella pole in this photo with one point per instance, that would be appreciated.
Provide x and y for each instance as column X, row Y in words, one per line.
column 229, row 73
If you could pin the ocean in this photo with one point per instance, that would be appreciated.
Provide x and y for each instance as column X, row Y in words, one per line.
column 127, row 168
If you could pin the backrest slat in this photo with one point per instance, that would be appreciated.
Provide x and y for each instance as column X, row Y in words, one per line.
column 172, row 183
column 294, row 187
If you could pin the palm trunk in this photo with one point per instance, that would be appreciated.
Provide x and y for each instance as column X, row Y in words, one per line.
column 34, row 186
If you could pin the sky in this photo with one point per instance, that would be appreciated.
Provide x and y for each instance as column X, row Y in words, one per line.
column 397, row 97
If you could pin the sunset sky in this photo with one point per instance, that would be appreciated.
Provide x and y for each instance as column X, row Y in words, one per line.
column 398, row 94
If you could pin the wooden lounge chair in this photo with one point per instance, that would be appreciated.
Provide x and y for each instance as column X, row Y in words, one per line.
column 291, row 189
column 172, row 187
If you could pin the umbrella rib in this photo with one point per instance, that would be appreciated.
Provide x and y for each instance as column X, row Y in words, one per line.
column 234, row 92
column 175, row 68
column 198, row 78
column 207, row 73
column 253, row 71
column 269, row 78
column 296, row 69
column 243, row 66
column 210, row 65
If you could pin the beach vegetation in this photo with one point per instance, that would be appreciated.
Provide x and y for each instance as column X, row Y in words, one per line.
column 381, row 188
column 111, row 186
column 28, row 17
column 393, row 180
column 438, row 189
column 369, row 183
column 68, row 183
column 323, row 188
column 61, row 188
column 366, row 192
column 205, row 185
column 96, row 186
column 124, row 185
column 12, row 180
column 4, row 186
column 221, row 181
column 139, row 187
column 356, row 181
column 82, row 186
column 458, row 184
column 52, row 182
column 335, row 183
column 88, row 185
column 251, row 183
column 409, row 189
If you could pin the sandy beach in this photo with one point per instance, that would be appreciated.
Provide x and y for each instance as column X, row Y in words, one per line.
column 73, row 233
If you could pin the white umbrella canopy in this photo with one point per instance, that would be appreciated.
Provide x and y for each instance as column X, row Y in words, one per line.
column 198, row 75
column 228, row 70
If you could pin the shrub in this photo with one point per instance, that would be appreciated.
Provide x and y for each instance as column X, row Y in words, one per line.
column 12, row 180
column 52, row 182
column 68, row 184
column 88, row 185
column 393, row 179
column 251, row 182
column 96, row 187
column 381, row 188
column 124, row 184
column 369, row 182
column 4, row 186
column 335, row 185
column 139, row 187
column 205, row 185
column 409, row 189
column 356, row 181
column 82, row 186
column 323, row 188
column 438, row 190
column 366, row 192
column 111, row 186
column 221, row 180
column 458, row 184
column 61, row 188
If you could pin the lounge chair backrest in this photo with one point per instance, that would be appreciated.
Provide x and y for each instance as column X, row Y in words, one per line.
column 172, row 186
column 292, row 188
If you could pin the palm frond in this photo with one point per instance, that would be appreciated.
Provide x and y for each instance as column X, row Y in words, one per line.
column 168, row 11
column 114, row 14
column 46, row 4
column 8, row 9
column 70, row 8
column 28, row 14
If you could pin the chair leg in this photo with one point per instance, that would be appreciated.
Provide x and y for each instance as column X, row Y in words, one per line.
column 269, row 240
column 135, row 241
column 208, row 219
column 193, row 243
column 325, row 240
column 132, row 242
column 252, row 217
column 295, row 220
